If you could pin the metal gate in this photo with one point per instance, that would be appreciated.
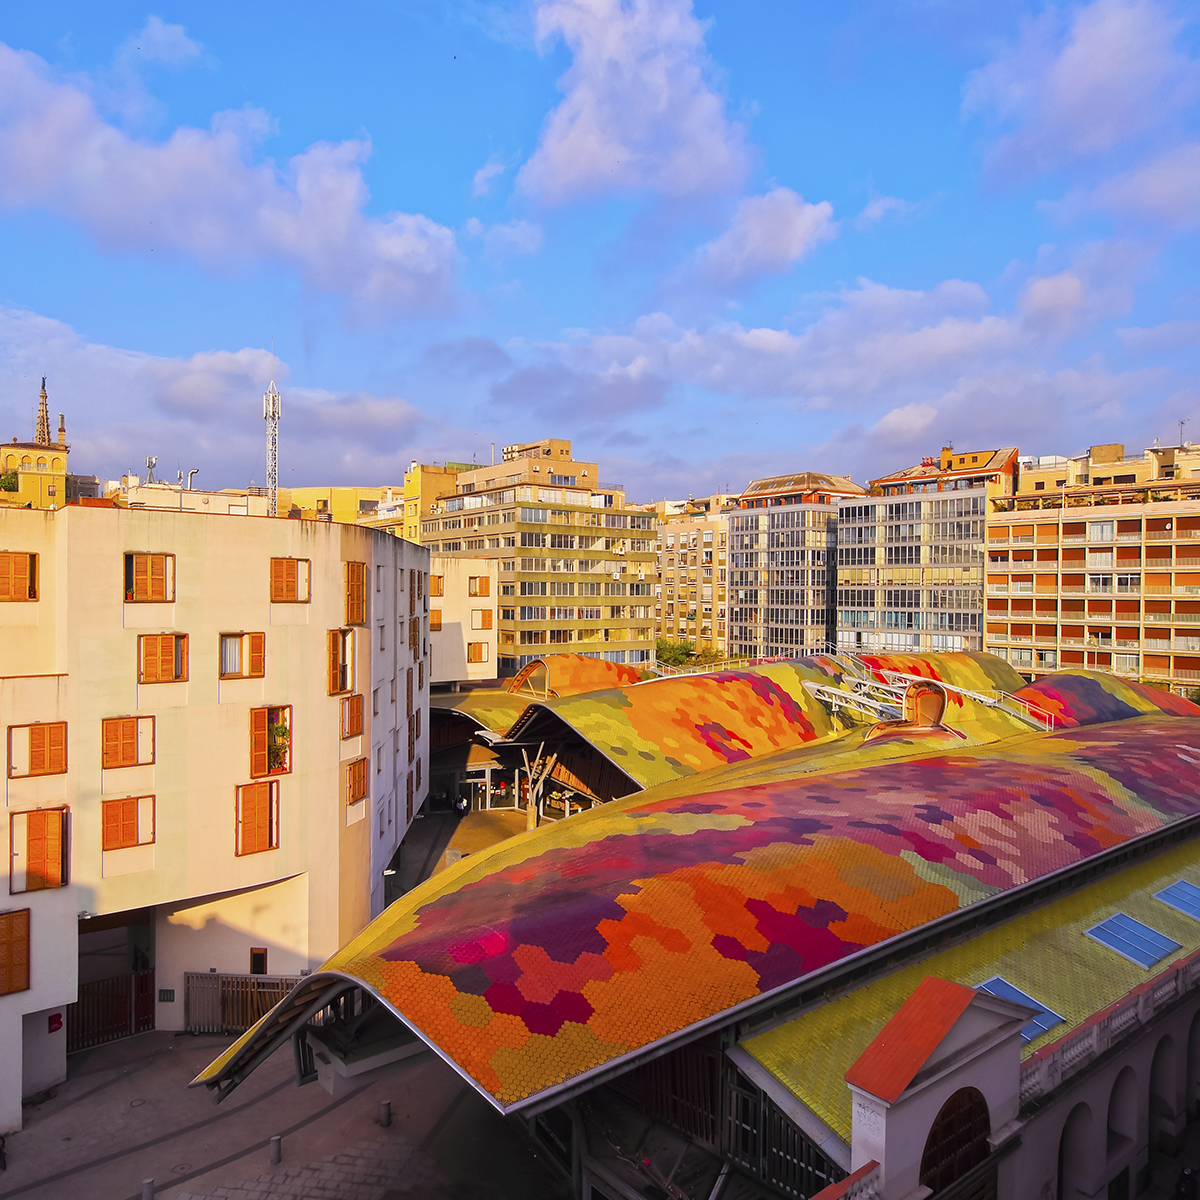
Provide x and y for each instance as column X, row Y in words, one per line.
column 110, row 1009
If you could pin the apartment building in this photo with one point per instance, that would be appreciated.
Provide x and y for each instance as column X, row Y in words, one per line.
column 216, row 730
column 910, row 555
column 347, row 504
column 576, row 563
column 462, row 618
column 782, row 578
column 691, row 592
column 1095, row 562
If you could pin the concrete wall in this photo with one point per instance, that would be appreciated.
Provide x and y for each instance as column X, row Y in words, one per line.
column 459, row 617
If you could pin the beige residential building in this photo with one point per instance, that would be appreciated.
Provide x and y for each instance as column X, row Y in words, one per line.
column 130, row 491
column 463, row 594
column 690, row 594
column 216, row 736
column 1095, row 562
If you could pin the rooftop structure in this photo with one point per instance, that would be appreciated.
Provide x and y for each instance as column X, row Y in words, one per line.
column 36, row 471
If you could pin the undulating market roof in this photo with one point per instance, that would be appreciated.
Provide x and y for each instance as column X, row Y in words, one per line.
column 575, row 948
column 1043, row 952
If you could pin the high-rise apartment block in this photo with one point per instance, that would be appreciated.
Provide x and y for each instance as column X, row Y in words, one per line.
column 910, row 555
column 782, row 575
column 1095, row 562
column 575, row 565
column 692, row 572
column 216, row 736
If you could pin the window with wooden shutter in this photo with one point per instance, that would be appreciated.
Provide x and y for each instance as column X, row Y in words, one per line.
column 149, row 578
column 37, row 848
column 481, row 618
column 412, row 737
column 408, row 689
column 341, row 661
column 18, row 576
column 257, row 818
column 412, row 590
column 356, row 781
column 479, row 585
column 418, row 775
column 39, row 749
column 352, row 716
column 414, row 636
column 408, row 809
column 14, row 951
column 437, row 585
column 477, row 652
column 270, row 741
column 127, row 822
column 127, row 742
column 290, row 580
column 420, row 675
column 162, row 658
column 435, row 620
column 243, row 655
column 356, row 593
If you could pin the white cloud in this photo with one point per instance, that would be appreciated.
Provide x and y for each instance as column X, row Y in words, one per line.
column 768, row 234
column 481, row 184
column 198, row 194
column 880, row 207
column 639, row 110
column 1166, row 189
column 158, row 42
column 1170, row 335
column 1114, row 75
column 902, row 426
column 512, row 237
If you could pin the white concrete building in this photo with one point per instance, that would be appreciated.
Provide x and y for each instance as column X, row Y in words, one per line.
column 216, row 737
column 462, row 618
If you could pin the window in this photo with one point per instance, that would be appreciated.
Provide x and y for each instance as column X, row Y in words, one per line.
column 126, row 742
column 375, row 703
column 243, row 655
column 414, row 636
column 420, row 675
column 409, row 691
column 1100, row 531
column 37, row 749
column 437, row 585
column 412, row 737
column 341, row 661
column 257, row 818
column 149, row 578
column 379, row 763
column 1183, row 896
column 479, row 585
column 38, row 850
column 379, row 579
column 352, row 716
column 435, row 620
column 14, row 947
column 356, row 781
column 18, row 576
column 162, row 658
column 127, row 822
column 356, row 593
column 270, row 741
column 408, row 806
column 481, row 618
column 1133, row 940
column 477, row 652
column 258, row 960
column 393, row 691
column 1046, row 1018
column 291, row 581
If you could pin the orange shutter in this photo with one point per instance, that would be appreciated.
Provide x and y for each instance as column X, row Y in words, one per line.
column 485, row 586
column 44, row 843
column 14, row 951
column 356, row 597
column 111, row 739
column 258, row 655
column 258, row 742
column 354, row 724
column 335, row 662
column 37, row 749
column 148, row 644
column 412, row 739
column 435, row 620
column 141, row 577
column 358, row 780
column 418, row 773
column 111, row 825
column 14, row 576
column 409, row 691
column 283, row 580
column 56, row 748
column 120, row 742
column 120, row 823
column 158, row 577
column 412, row 589
column 487, row 619
column 166, row 658
column 414, row 636
column 255, row 801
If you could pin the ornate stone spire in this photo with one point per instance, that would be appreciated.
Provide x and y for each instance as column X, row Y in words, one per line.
column 42, row 436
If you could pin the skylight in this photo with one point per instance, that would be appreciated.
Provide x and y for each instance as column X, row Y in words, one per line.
column 1046, row 1018
column 1183, row 896
column 1133, row 940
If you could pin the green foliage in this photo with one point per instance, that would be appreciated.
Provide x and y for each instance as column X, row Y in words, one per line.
column 277, row 746
column 706, row 658
column 674, row 654
column 9, row 482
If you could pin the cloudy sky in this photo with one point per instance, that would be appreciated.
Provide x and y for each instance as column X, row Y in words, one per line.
column 706, row 241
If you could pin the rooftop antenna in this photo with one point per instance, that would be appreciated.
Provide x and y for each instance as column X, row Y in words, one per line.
column 272, row 411
column 1181, row 425
column 151, row 463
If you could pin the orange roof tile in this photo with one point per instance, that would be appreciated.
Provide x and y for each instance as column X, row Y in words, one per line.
column 887, row 1066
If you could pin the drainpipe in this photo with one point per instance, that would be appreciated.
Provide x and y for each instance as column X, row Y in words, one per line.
column 193, row 471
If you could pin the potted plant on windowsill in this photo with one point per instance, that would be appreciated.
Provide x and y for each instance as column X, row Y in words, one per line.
column 278, row 745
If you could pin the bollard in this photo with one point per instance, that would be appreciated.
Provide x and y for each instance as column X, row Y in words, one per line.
column 385, row 1113
column 277, row 1149
column 147, row 1189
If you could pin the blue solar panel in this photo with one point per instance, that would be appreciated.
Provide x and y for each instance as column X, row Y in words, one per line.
column 1183, row 896
column 1133, row 940
column 1046, row 1018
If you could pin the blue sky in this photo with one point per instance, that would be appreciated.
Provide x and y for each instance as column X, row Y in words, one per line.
column 707, row 242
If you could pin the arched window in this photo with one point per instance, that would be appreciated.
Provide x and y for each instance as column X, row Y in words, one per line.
column 958, row 1140
column 57, row 464
column 27, row 461
column 41, row 464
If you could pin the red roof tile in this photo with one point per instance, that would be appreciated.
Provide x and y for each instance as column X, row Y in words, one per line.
column 887, row 1066
column 836, row 1191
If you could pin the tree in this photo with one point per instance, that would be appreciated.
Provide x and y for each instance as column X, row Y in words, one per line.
column 674, row 654
column 9, row 482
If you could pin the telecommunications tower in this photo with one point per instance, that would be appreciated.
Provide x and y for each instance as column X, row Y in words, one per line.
column 272, row 411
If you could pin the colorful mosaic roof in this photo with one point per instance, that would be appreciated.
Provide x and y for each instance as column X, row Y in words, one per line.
column 571, row 674
column 1043, row 952
column 1089, row 697
column 572, row 948
column 489, row 708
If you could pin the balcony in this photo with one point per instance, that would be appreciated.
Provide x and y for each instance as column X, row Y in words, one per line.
column 1071, row 641
column 1023, row 540
column 997, row 589
column 1129, row 537
column 1129, row 589
column 1045, row 641
column 1173, row 618
column 1073, row 538
column 1128, row 643
column 1072, row 591
column 1022, row 588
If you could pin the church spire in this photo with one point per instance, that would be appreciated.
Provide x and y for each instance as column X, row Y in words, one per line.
column 42, row 436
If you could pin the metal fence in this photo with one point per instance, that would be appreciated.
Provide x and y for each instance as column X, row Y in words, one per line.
column 215, row 1003
column 110, row 1009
